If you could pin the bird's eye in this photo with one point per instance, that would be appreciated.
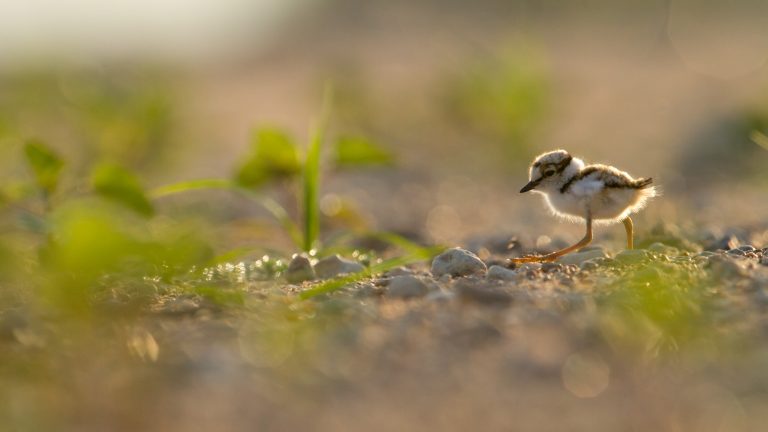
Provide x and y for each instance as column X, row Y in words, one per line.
column 548, row 173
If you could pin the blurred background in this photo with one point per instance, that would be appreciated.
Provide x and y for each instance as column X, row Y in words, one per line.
column 435, row 109
column 464, row 95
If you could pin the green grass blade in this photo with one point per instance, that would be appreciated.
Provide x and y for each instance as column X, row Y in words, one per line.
column 357, row 151
column 311, row 180
column 310, row 193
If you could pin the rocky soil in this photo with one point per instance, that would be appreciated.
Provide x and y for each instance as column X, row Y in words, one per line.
column 669, row 337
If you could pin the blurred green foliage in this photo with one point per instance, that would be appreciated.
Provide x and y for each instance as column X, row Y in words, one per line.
column 84, row 239
column 355, row 151
column 222, row 297
column 124, row 116
column 730, row 148
column 126, row 121
column 45, row 164
column 274, row 156
column 505, row 97
column 102, row 238
column 658, row 309
column 122, row 186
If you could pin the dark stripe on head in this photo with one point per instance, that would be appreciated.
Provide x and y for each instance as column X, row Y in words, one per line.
column 564, row 164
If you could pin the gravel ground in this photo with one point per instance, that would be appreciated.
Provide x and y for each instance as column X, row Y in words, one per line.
column 661, row 338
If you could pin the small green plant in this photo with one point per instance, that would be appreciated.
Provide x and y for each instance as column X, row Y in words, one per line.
column 276, row 158
column 99, row 237
column 86, row 241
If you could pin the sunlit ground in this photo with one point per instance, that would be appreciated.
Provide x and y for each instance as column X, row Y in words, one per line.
column 159, row 171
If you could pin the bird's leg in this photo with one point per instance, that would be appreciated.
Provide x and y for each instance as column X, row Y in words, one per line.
column 628, row 227
column 557, row 254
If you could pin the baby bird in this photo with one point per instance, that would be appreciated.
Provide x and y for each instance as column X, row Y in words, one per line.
column 593, row 193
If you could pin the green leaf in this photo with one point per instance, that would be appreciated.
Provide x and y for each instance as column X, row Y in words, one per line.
column 45, row 164
column 120, row 185
column 359, row 151
column 274, row 155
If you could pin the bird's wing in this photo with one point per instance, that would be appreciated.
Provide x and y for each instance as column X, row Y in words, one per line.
column 587, row 187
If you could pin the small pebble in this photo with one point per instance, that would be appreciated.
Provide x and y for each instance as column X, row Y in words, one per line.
column 335, row 265
column 501, row 273
column 457, row 262
column 299, row 270
column 725, row 243
column 406, row 286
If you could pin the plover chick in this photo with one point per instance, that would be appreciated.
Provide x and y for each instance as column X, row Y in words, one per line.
column 592, row 193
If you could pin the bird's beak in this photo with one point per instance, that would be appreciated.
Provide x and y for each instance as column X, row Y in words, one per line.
column 530, row 186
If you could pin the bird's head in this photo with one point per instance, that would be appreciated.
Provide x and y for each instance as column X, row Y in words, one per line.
column 547, row 170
